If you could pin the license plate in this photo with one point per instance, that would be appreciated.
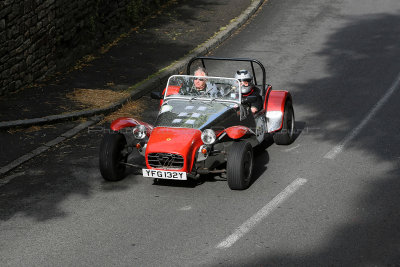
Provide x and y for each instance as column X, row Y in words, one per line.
column 164, row 174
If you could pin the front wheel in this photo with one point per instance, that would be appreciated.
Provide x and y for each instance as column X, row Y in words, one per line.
column 286, row 135
column 239, row 165
column 112, row 157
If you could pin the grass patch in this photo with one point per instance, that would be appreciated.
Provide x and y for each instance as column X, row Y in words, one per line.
column 32, row 129
column 95, row 98
column 132, row 109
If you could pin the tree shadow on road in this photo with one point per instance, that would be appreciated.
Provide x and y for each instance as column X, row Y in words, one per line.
column 366, row 47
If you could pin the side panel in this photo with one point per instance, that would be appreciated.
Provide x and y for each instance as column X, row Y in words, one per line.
column 276, row 109
column 172, row 90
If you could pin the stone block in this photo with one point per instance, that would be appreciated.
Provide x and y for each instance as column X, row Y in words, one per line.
column 28, row 7
column 32, row 31
column 11, row 46
column 34, row 20
column 12, row 32
column 3, row 38
column 27, row 42
column 28, row 78
column 36, row 74
column 16, row 11
column 42, row 14
column 11, row 86
column 2, row 24
column 27, row 34
column 29, row 60
column 19, row 41
column 51, row 16
column 3, row 51
column 14, row 69
column 18, row 84
column 45, row 21
column 39, row 26
column 52, row 31
column 5, row 11
column 20, row 49
column 27, row 22
column 32, row 48
column 4, row 59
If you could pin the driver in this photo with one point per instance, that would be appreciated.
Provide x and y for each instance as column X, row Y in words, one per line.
column 248, row 89
column 201, row 85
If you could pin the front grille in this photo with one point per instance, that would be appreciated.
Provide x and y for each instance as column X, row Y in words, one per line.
column 165, row 160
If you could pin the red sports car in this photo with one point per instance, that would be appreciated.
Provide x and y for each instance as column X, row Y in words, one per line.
column 198, row 132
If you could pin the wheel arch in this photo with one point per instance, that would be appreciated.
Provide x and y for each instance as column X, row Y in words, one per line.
column 276, row 109
column 124, row 122
column 238, row 132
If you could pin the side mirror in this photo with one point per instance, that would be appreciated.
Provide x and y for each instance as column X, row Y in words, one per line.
column 156, row 95
column 250, row 99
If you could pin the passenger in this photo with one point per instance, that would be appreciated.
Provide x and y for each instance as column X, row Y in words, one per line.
column 249, row 89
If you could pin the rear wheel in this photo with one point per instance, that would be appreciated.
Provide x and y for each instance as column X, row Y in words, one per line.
column 112, row 157
column 286, row 135
column 239, row 165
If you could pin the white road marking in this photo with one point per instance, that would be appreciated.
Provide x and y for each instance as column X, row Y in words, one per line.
column 339, row 148
column 261, row 214
column 290, row 149
column 185, row 208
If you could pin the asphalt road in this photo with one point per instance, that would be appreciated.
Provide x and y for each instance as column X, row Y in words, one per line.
column 331, row 198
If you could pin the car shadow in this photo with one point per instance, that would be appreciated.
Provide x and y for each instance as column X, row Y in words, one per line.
column 190, row 183
column 261, row 160
column 299, row 126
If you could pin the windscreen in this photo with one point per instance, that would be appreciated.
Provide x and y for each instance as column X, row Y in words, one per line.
column 201, row 87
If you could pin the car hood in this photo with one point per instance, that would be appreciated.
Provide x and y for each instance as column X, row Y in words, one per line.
column 180, row 141
column 197, row 114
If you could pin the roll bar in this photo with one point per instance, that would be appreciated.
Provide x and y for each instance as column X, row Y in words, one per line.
column 251, row 61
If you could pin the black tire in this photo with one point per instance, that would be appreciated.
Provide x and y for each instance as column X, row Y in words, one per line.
column 111, row 156
column 239, row 165
column 286, row 135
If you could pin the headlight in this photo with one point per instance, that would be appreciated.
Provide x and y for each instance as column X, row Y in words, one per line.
column 139, row 132
column 208, row 136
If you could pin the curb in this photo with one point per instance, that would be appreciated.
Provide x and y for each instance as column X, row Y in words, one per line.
column 70, row 133
column 148, row 85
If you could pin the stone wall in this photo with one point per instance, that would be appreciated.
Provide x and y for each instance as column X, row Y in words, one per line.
column 41, row 37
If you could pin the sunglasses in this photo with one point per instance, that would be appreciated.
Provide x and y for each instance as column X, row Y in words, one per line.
column 200, row 79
